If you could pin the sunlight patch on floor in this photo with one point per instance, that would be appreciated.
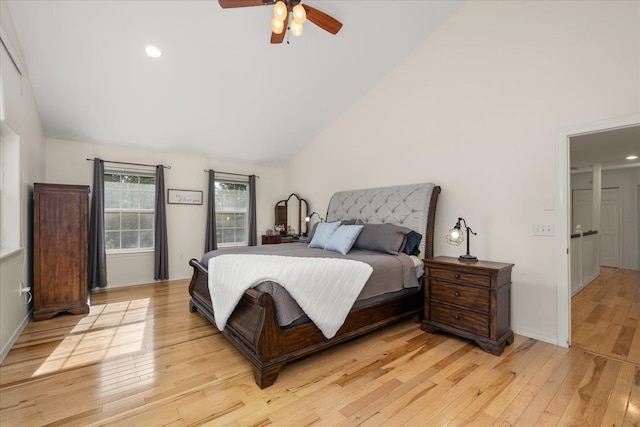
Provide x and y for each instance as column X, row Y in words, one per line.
column 110, row 330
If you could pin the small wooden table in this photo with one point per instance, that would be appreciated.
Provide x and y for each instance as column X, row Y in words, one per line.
column 471, row 299
column 276, row 239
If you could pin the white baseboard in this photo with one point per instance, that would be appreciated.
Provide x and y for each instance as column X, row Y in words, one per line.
column 14, row 337
column 145, row 282
column 529, row 334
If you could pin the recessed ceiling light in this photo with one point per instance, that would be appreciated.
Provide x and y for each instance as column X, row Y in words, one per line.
column 153, row 51
column 631, row 157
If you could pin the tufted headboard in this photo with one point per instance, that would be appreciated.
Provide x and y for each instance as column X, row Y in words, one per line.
column 411, row 206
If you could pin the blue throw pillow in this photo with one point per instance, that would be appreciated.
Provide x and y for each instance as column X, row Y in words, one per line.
column 412, row 243
column 323, row 234
column 344, row 238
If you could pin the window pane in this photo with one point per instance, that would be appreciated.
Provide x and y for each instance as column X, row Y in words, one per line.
column 112, row 240
column 147, row 200
column 112, row 221
column 148, row 181
column 130, row 221
column 146, row 221
column 240, row 220
column 240, row 235
column 227, row 236
column 130, row 200
column 146, row 239
column 129, row 240
column 112, row 199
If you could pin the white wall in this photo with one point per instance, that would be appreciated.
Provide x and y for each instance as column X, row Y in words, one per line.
column 627, row 180
column 476, row 109
column 186, row 224
column 21, row 114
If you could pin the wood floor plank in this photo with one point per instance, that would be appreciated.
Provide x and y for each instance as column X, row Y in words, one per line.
column 141, row 358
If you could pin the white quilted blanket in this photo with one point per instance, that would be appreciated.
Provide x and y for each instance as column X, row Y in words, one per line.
column 325, row 288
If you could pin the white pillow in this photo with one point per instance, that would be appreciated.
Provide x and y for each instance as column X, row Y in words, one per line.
column 344, row 238
column 323, row 234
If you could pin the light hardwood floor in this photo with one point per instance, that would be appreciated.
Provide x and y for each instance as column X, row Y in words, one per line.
column 605, row 316
column 141, row 358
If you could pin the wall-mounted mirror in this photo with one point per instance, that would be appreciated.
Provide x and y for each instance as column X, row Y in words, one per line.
column 290, row 214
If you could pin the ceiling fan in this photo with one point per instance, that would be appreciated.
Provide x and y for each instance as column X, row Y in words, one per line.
column 282, row 9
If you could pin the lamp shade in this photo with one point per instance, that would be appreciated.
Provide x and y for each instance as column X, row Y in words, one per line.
column 280, row 10
column 299, row 14
column 277, row 26
column 296, row 28
column 455, row 236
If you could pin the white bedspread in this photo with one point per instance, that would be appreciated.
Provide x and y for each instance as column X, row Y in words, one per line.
column 325, row 288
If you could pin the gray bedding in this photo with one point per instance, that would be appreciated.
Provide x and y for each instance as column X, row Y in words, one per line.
column 391, row 273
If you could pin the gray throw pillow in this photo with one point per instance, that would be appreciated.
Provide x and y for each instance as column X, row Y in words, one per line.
column 385, row 238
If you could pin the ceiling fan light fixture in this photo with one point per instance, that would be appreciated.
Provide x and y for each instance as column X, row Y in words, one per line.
column 296, row 28
column 280, row 10
column 277, row 26
column 299, row 14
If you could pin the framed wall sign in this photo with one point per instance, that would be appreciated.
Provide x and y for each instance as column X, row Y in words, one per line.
column 184, row 197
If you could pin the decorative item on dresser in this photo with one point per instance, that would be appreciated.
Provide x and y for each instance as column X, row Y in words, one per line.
column 60, row 239
column 469, row 299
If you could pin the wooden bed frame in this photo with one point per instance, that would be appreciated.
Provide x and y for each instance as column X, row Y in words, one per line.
column 253, row 326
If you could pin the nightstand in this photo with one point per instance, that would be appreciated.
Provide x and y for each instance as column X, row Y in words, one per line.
column 471, row 299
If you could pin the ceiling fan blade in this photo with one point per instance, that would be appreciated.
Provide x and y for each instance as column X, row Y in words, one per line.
column 226, row 4
column 322, row 20
column 278, row 38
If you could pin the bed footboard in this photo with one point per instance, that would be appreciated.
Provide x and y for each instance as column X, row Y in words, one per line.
column 253, row 326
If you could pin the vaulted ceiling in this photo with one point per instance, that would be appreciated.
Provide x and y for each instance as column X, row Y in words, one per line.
column 220, row 89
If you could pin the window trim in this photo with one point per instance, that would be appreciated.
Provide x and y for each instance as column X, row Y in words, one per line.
column 245, row 242
column 138, row 250
column 11, row 198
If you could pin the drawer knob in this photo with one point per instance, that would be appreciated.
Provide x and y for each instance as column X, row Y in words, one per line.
column 456, row 293
column 455, row 316
column 457, row 276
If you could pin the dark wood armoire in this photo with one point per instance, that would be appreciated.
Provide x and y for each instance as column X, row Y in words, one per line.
column 60, row 249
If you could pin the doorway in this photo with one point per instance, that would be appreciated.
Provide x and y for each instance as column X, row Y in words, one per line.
column 563, row 203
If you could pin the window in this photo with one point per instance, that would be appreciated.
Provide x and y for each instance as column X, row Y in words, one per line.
column 129, row 210
column 10, row 217
column 232, row 204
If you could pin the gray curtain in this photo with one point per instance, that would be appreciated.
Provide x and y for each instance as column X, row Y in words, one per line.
column 97, row 249
column 210, row 242
column 161, row 265
column 253, row 235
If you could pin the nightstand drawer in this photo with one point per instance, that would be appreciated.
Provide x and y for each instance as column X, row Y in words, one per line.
column 468, row 297
column 456, row 276
column 460, row 318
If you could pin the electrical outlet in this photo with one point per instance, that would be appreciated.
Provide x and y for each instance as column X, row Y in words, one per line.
column 543, row 230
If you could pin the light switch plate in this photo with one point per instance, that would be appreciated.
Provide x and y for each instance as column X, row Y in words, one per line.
column 543, row 230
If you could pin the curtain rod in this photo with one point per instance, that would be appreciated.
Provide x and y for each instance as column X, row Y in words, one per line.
column 133, row 164
column 229, row 173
